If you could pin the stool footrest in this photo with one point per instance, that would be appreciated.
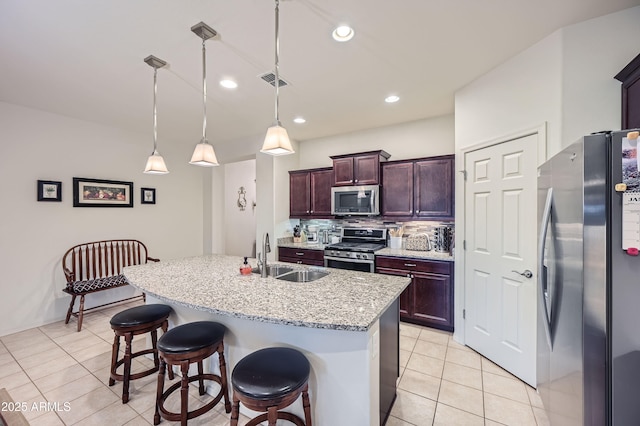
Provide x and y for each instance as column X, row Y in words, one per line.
column 281, row 415
column 168, row 415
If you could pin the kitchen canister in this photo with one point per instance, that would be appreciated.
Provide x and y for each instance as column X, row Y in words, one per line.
column 418, row 242
column 395, row 242
column 442, row 238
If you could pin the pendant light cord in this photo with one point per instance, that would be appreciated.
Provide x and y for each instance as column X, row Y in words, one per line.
column 204, row 92
column 155, row 113
column 277, row 81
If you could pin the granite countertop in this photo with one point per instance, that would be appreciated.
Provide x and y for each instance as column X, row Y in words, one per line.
column 343, row 300
column 307, row 245
column 428, row 255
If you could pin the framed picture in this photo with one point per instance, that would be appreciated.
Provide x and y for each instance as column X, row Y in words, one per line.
column 49, row 190
column 147, row 195
column 101, row 193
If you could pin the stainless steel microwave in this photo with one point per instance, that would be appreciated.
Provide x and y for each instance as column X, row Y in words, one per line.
column 361, row 200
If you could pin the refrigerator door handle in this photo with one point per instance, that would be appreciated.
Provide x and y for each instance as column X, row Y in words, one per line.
column 542, row 269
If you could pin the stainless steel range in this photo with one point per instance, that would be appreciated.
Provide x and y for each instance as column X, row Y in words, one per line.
column 356, row 249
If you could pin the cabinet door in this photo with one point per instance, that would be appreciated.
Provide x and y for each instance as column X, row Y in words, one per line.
column 434, row 188
column 299, row 197
column 397, row 189
column 433, row 300
column 343, row 171
column 407, row 295
column 366, row 170
column 321, row 181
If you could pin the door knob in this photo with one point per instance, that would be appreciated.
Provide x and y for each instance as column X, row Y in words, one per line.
column 527, row 273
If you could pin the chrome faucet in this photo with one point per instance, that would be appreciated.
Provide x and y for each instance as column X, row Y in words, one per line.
column 266, row 248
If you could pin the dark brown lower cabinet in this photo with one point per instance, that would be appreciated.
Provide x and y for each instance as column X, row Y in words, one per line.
column 429, row 298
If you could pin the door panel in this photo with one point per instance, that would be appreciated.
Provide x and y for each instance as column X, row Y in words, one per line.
column 500, row 224
column 320, row 182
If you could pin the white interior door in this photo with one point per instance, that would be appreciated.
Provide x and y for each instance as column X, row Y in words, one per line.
column 500, row 256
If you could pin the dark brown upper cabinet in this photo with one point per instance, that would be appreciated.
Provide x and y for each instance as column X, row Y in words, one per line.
column 630, row 78
column 310, row 193
column 419, row 189
column 358, row 169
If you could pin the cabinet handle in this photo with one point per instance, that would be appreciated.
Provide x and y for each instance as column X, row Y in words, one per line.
column 299, row 262
column 356, row 180
column 307, row 211
column 300, row 254
column 311, row 211
column 411, row 265
column 417, row 211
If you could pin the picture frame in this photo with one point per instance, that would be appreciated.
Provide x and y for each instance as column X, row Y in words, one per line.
column 88, row 192
column 49, row 190
column 147, row 195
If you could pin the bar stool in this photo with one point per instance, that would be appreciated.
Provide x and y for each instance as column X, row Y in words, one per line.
column 128, row 323
column 185, row 345
column 269, row 380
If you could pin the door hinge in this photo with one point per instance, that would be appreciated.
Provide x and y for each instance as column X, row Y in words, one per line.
column 464, row 244
column 464, row 174
column 464, row 314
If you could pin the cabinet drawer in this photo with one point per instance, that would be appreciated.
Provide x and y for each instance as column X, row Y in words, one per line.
column 414, row 265
column 297, row 253
column 301, row 261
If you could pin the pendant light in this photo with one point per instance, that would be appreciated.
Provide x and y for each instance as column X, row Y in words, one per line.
column 203, row 154
column 155, row 162
column 277, row 140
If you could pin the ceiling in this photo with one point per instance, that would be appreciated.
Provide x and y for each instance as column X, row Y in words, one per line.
column 84, row 59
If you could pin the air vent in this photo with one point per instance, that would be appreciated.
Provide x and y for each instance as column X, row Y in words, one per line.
column 271, row 79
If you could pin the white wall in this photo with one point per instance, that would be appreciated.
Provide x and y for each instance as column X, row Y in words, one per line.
column 522, row 93
column 564, row 82
column 595, row 51
column 34, row 235
column 240, row 225
column 423, row 138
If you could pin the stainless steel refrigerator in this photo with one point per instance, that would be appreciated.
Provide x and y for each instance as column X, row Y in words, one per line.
column 588, row 362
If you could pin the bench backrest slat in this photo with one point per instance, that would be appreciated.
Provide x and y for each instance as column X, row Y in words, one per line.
column 101, row 259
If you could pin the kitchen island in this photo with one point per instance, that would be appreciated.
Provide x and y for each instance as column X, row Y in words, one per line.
column 345, row 323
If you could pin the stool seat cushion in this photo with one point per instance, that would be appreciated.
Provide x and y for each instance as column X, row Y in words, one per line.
column 191, row 337
column 270, row 373
column 140, row 315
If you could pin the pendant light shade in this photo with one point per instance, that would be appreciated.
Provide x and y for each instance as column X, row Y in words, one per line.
column 277, row 140
column 155, row 165
column 155, row 162
column 203, row 154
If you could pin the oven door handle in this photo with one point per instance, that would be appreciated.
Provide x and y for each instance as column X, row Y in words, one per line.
column 348, row 259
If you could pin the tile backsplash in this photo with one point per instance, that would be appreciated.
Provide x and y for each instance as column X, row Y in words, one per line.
column 410, row 227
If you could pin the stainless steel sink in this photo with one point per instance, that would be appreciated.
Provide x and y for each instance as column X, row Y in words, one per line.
column 302, row 276
column 274, row 270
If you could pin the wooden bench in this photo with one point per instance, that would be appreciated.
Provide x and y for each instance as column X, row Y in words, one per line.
column 97, row 266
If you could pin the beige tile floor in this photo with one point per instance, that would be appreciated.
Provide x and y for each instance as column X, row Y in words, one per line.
column 441, row 383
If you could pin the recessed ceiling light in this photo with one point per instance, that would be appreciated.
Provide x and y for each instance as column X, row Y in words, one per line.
column 299, row 120
column 343, row 33
column 229, row 84
column 391, row 99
